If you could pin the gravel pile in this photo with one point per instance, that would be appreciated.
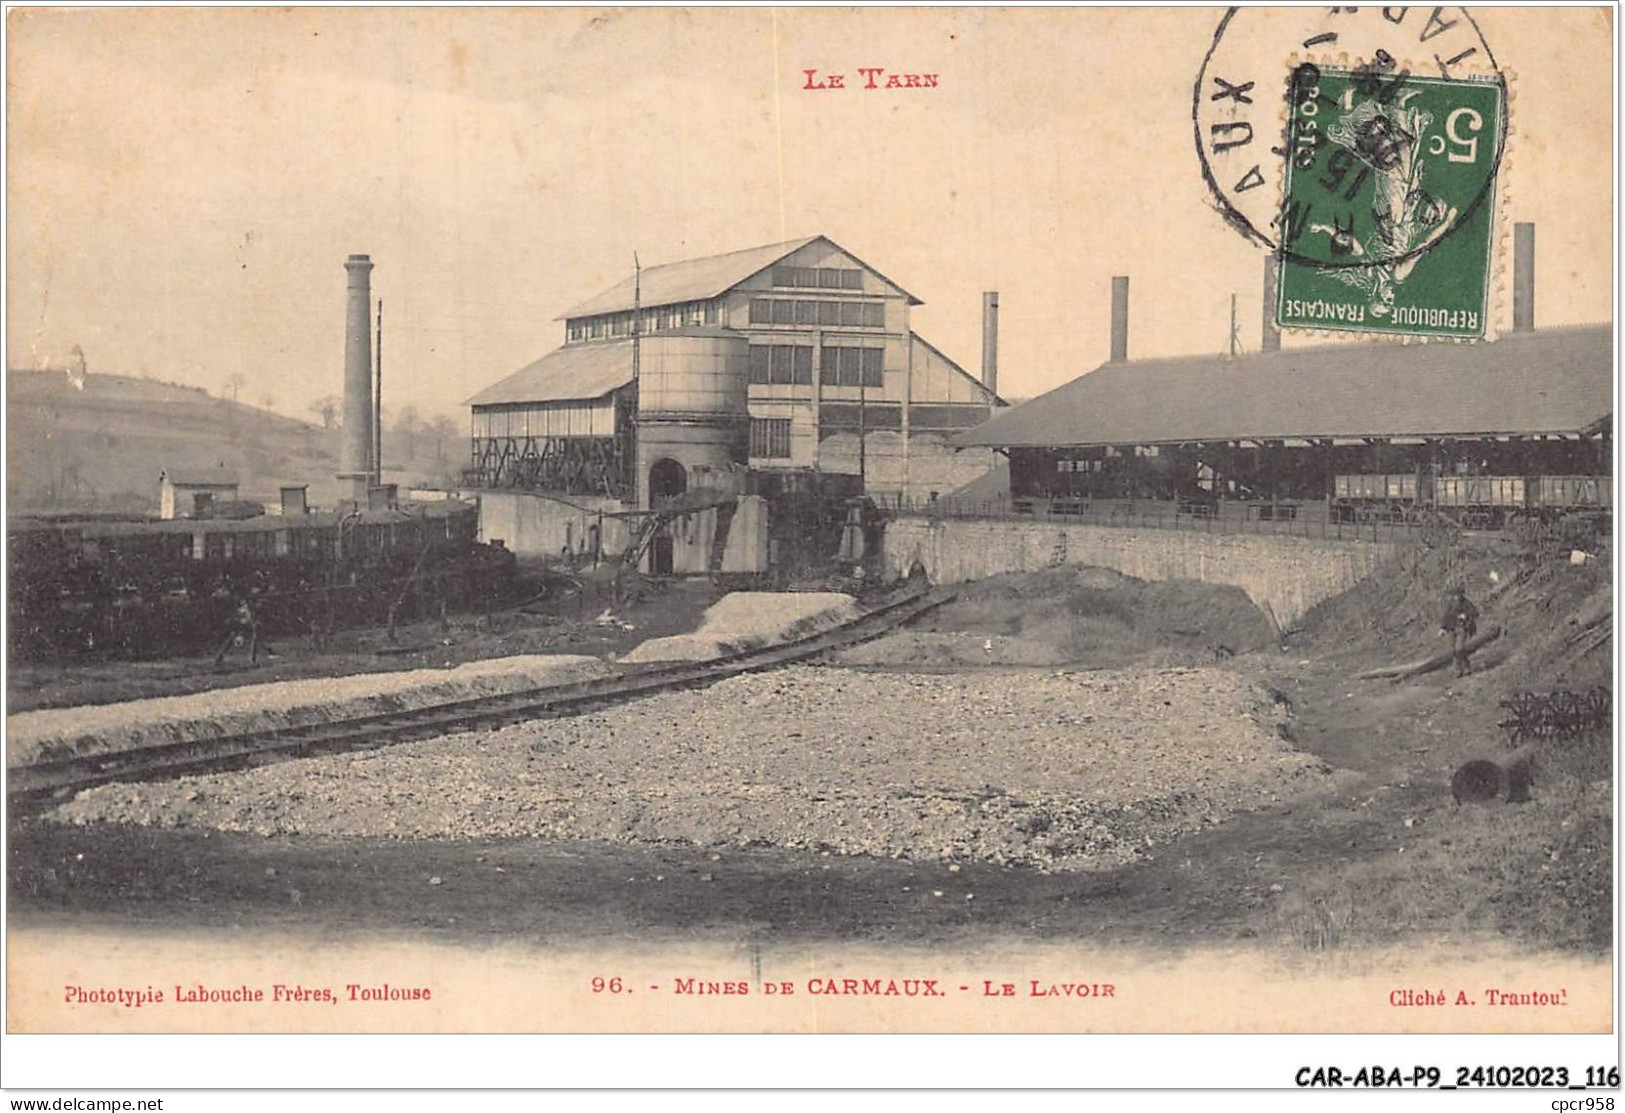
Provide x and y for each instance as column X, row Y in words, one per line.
column 747, row 619
column 103, row 728
column 1047, row 770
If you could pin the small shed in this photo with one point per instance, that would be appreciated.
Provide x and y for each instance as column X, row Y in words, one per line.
column 193, row 494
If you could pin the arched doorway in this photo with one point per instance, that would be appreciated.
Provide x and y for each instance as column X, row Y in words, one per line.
column 667, row 479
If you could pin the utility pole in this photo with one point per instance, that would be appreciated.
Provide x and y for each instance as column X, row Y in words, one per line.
column 631, row 467
column 1235, row 337
column 378, row 400
column 637, row 310
column 863, row 421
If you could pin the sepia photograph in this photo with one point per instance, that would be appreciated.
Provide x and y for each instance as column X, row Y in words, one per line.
column 814, row 522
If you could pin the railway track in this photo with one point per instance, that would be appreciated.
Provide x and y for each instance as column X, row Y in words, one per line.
column 42, row 782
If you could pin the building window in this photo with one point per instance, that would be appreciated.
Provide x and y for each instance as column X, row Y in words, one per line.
column 829, row 278
column 849, row 366
column 595, row 328
column 770, row 438
column 832, row 314
column 783, row 364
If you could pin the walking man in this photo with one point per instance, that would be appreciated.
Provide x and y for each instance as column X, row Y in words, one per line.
column 1461, row 623
column 242, row 627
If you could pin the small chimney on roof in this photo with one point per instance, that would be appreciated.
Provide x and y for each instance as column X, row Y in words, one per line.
column 1523, row 278
column 1272, row 335
column 990, row 341
column 1119, row 318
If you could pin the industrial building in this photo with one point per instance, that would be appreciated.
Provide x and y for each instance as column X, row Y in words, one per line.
column 1354, row 431
column 187, row 495
column 808, row 364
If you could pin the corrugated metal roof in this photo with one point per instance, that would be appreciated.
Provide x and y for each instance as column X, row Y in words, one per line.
column 688, row 280
column 700, row 279
column 575, row 371
column 1549, row 381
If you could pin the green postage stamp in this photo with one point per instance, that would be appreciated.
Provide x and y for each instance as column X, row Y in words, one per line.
column 1388, row 204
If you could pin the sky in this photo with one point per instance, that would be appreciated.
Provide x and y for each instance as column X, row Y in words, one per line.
column 185, row 184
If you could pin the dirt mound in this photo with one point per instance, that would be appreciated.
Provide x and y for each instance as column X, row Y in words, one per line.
column 1078, row 614
column 1051, row 770
column 110, row 727
column 1540, row 871
column 1555, row 615
column 747, row 619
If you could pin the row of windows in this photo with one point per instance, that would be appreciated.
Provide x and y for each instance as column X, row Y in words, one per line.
column 1110, row 454
column 844, row 366
column 847, row 314
column 841, row 365
column 770, row 438
column 781, row 363
column 650, row 320
column 829, row 278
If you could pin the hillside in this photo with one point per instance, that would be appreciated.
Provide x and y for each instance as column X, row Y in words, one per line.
column 100, row 445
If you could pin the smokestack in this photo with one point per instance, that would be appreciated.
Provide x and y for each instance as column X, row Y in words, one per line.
column 990, row 341
column 1119, row 318
column 355, row 461
column 1523, row 278
column 1272, row 335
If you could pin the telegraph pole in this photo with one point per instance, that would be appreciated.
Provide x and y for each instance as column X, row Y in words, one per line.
column 378, row 400
column 1235, row 337
column 637, row 310
column 863, row 440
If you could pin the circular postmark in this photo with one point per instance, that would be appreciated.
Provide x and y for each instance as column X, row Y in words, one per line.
column 1350, row 138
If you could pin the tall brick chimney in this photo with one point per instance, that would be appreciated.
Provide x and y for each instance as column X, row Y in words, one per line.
column 355, row 461
column 1523, row 278
column 990, row 341
column 1119, row 318
column 1272, row 335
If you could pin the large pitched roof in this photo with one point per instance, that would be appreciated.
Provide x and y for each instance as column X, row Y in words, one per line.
column 699, row 279
column 575, row 371
column 1557, row 380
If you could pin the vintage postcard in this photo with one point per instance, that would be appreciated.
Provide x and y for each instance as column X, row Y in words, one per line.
column 671, row 521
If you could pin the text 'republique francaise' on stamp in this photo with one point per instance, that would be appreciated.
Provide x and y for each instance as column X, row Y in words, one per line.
column 1372, row 177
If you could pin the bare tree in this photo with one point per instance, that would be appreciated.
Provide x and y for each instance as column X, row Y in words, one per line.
column 328, row 409
column 236, row 380
column 445, row 432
